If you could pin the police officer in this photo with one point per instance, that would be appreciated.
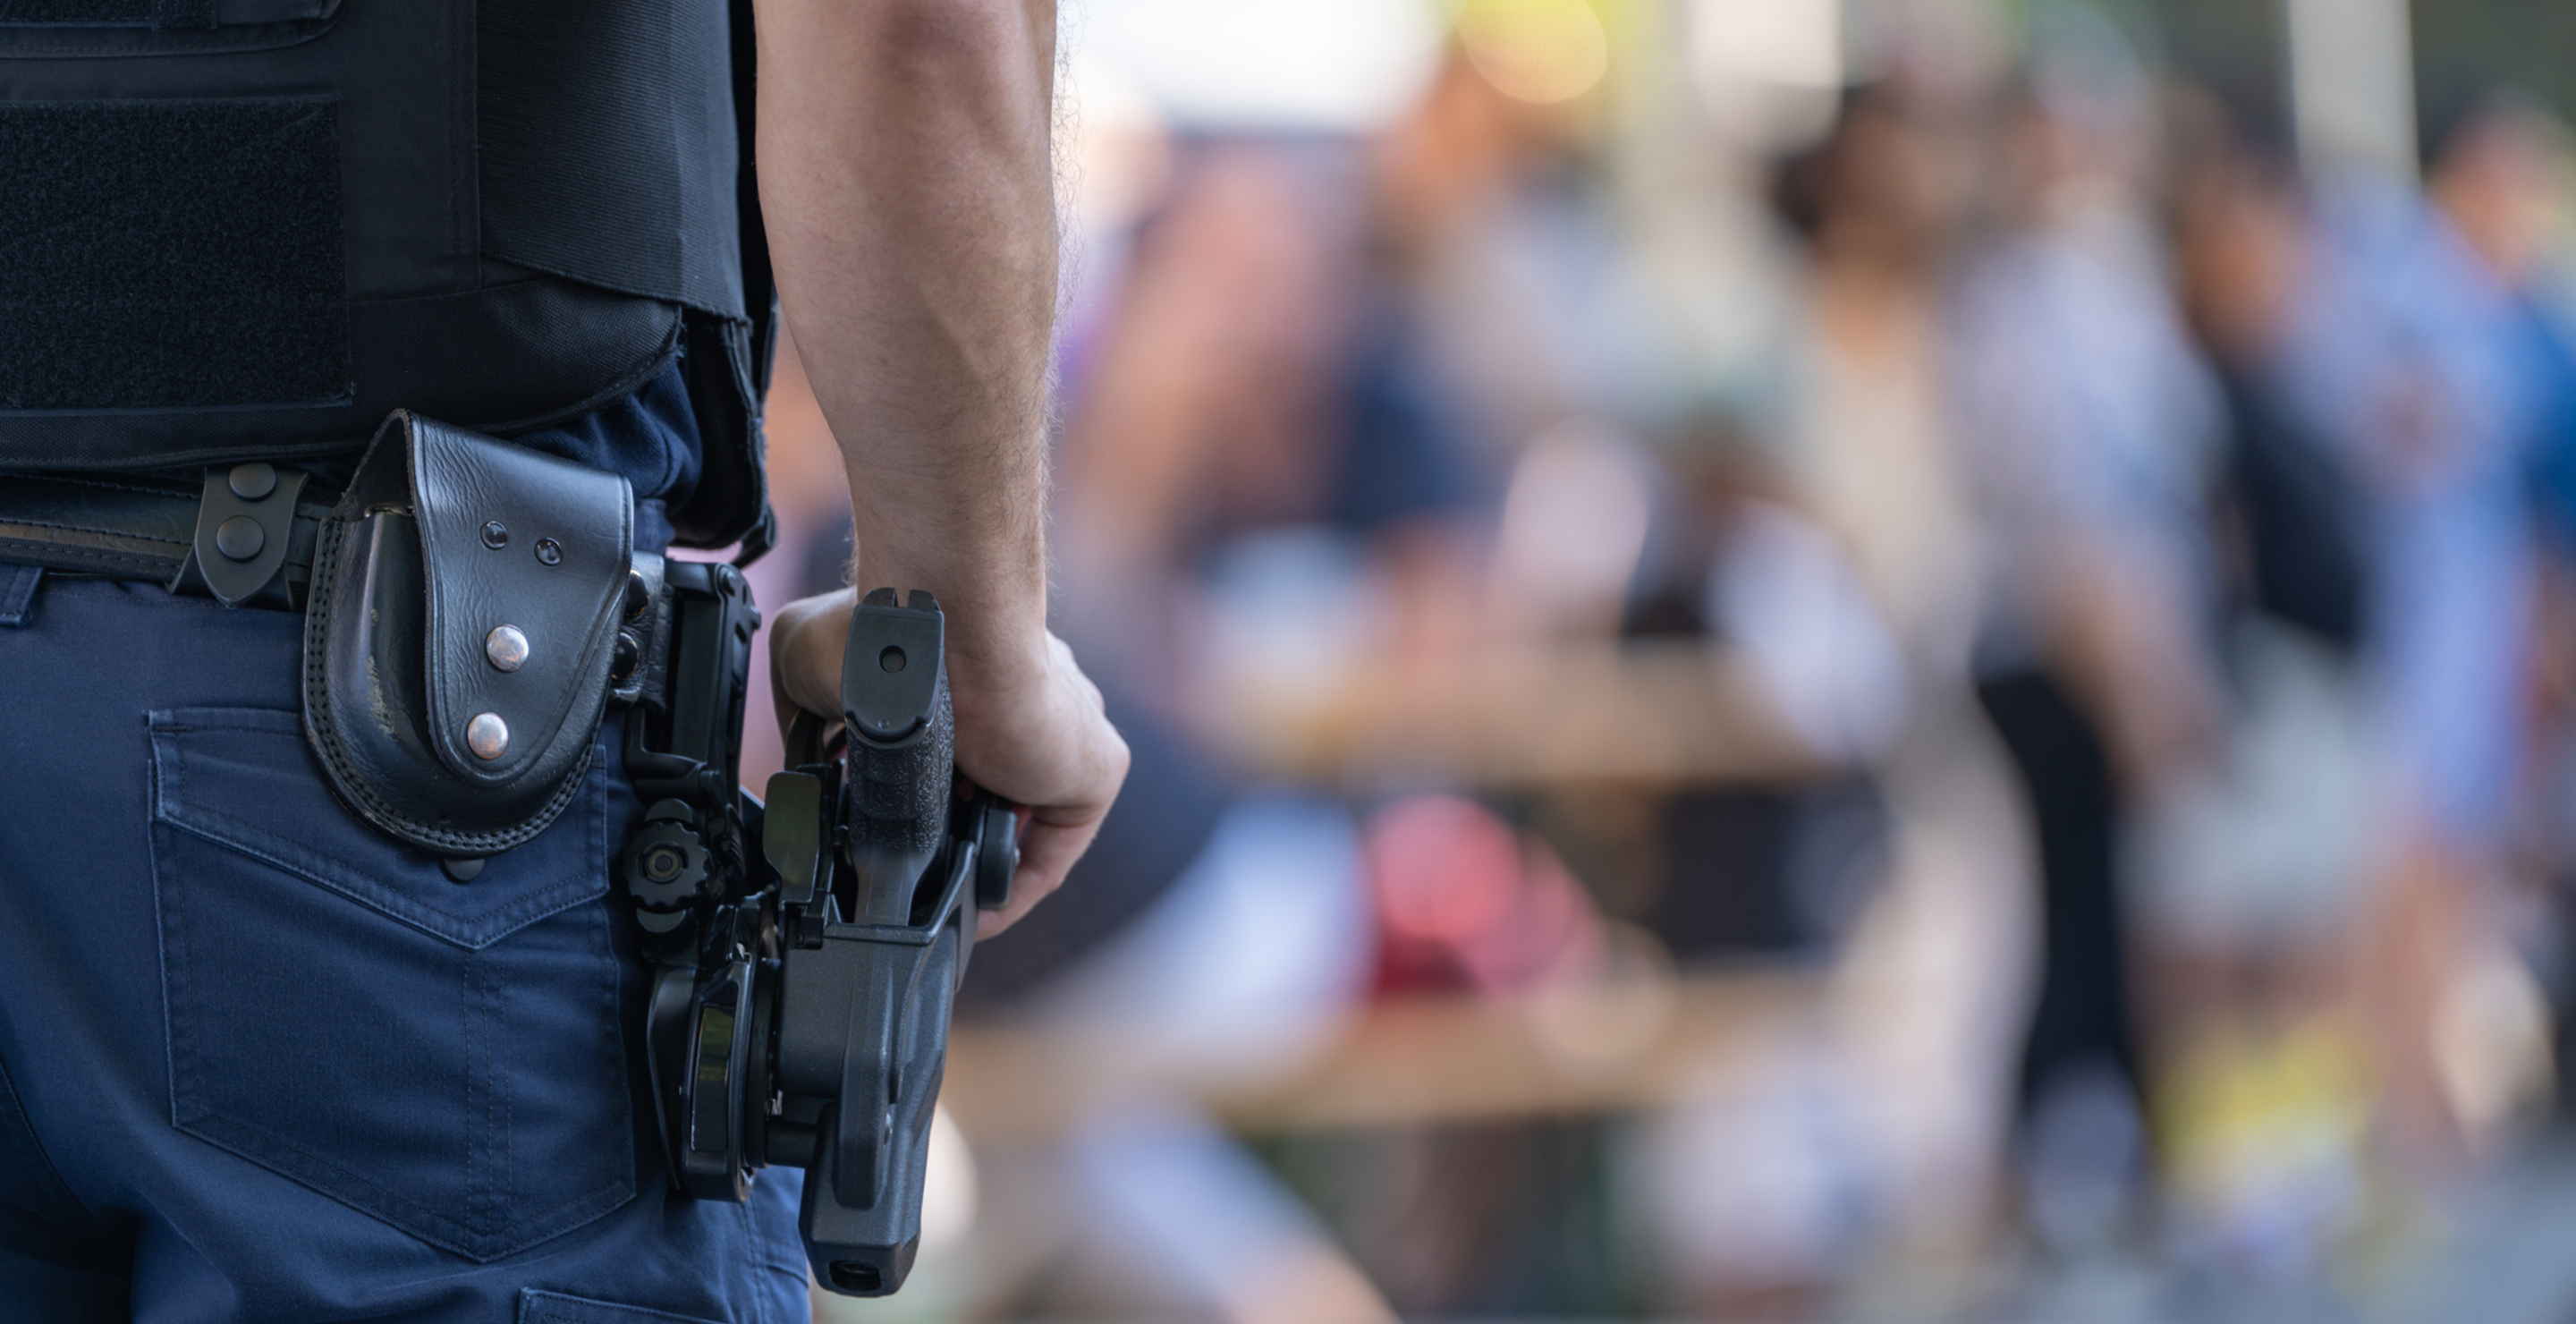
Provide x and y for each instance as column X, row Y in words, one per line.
column 261, row 1060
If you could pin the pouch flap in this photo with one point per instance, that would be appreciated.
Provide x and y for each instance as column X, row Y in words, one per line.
column 457, row 645
column 515, row 540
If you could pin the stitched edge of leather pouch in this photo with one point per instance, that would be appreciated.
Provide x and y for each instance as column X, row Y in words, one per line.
column 407, row 589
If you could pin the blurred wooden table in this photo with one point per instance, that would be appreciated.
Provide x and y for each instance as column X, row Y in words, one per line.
column 1399, row 1063
column 1562, row 716
column 1555, row 715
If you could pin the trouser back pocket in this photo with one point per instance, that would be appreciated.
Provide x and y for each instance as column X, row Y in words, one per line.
column 444, row 1056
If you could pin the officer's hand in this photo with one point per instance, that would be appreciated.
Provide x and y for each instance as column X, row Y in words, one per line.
column 1039, row 736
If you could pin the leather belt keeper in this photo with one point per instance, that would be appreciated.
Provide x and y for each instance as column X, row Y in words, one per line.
column 245, row 537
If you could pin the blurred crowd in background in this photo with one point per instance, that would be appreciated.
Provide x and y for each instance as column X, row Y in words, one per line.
column 1794, row 659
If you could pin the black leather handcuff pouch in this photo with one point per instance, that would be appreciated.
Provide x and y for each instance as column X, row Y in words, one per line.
column 458, row 638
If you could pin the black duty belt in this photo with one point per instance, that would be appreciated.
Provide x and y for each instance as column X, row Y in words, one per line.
column 245, row 536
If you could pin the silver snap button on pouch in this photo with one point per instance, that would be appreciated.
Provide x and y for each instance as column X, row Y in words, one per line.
column 488, row 736
column 506, row 647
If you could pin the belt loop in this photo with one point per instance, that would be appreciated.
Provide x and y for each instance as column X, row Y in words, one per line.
column 18, row 594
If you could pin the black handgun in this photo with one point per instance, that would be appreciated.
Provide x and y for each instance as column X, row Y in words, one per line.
column 808, row 946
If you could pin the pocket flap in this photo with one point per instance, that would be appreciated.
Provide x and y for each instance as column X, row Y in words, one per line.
column 244, row 779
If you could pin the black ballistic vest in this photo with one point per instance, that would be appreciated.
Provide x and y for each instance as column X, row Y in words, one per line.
column 252, row 228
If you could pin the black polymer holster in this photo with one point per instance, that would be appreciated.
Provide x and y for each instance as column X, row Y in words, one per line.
column 807, row 946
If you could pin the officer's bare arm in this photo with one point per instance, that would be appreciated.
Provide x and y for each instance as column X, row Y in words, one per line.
column 906, row 175
column 904, row 170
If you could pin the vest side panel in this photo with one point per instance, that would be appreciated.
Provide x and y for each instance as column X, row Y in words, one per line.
column 608, row 151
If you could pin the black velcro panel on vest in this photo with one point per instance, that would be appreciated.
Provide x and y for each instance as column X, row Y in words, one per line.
column 159, row 255
column 605, row 131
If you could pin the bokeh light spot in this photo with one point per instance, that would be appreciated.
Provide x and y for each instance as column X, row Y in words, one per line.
column 1539, row 51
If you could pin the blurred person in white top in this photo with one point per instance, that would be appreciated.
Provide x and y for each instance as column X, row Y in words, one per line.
column 2090, row 426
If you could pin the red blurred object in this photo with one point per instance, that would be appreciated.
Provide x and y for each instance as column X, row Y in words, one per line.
column 1465, row 903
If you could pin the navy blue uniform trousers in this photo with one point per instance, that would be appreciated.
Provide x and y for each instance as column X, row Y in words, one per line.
column 260, row 1063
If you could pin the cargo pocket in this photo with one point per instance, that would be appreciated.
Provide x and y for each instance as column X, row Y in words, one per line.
column 444, row 1056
